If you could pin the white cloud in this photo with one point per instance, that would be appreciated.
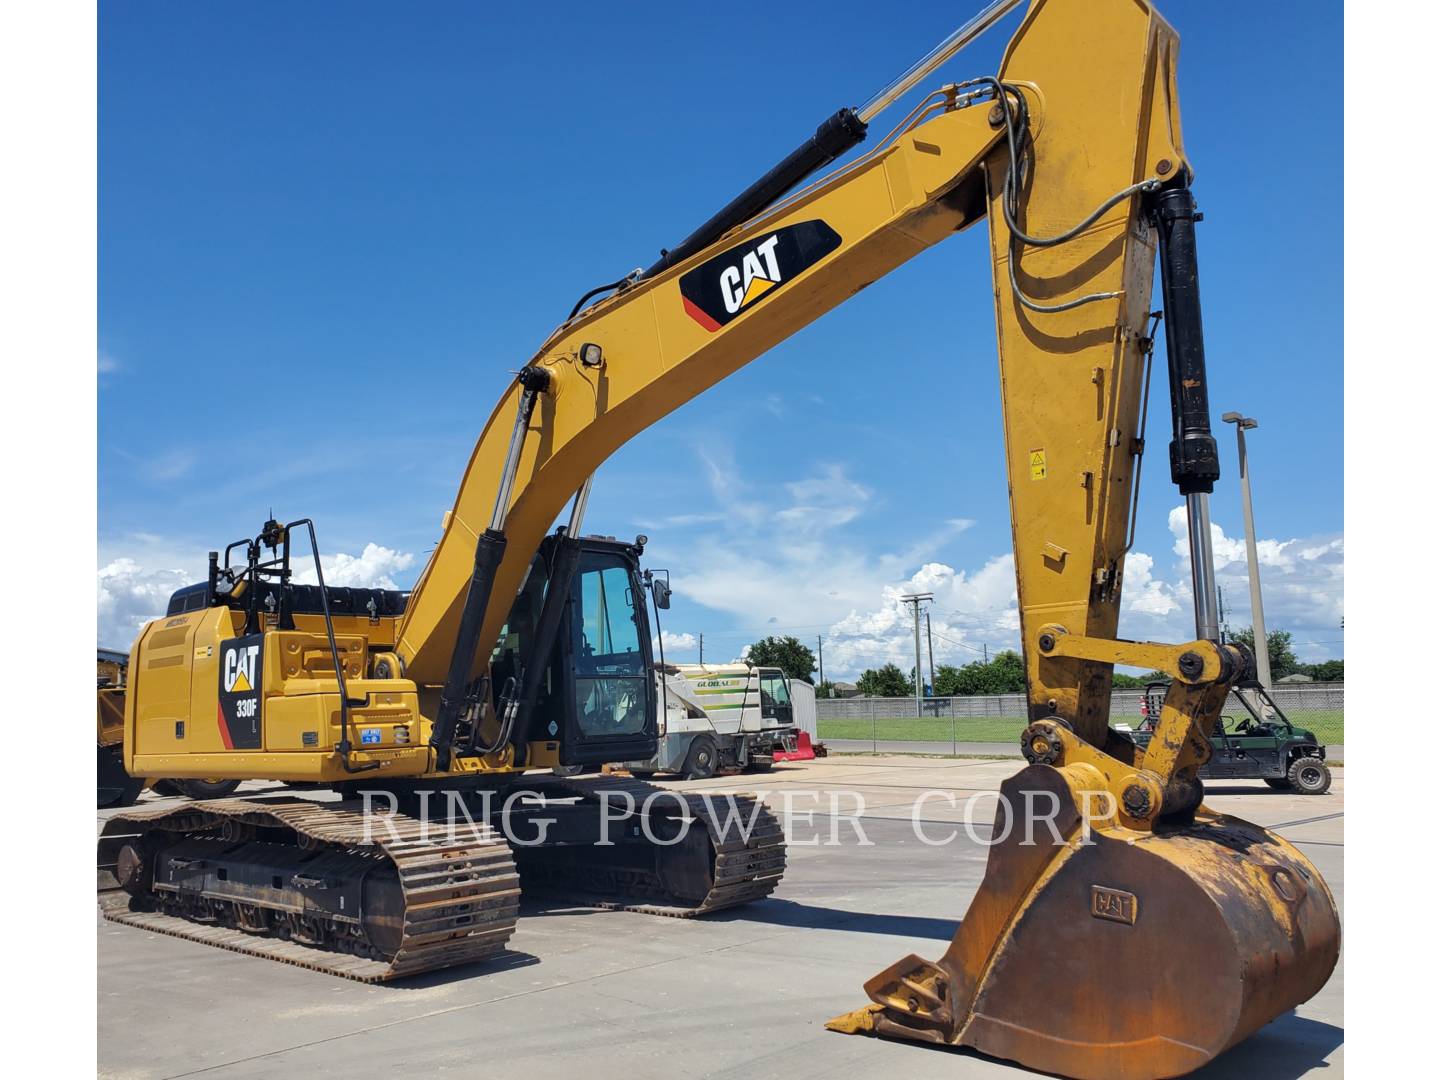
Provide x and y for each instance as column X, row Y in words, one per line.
column 170, row 465
column 676, row 643
column 1144, row 593
column 373, row 568
column 137, row 576
column 128, row 595
column 1303, row 580
column 779, row 560
column 105, row 364
column 970, row 611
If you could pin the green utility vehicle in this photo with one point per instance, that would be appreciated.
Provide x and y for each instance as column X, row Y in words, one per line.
column 1260, row 745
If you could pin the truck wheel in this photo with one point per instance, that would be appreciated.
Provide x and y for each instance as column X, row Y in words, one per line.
column 206, row 789
column 700, row 761
column 1310, row 776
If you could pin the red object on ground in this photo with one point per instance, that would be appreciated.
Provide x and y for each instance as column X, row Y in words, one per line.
column 803, row 751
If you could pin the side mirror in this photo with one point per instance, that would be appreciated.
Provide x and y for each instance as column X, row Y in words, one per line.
column 661, row 590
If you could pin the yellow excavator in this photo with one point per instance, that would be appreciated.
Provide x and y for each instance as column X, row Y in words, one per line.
column 1146, row 936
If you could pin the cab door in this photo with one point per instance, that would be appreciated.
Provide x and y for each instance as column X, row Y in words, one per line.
column 610, row 692
column 776, row 708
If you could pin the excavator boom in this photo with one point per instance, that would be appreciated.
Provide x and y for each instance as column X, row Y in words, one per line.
column 1099, row 86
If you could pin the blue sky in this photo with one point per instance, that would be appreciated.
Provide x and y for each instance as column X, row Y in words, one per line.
column 328, row 231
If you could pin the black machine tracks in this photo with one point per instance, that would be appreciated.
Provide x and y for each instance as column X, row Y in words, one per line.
column 460, row 891
column 746, row 844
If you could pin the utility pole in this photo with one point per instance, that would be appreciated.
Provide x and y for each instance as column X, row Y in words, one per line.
column 930, row 648
column 820, row 649
column 702, row 649
column 1257, row 607
column 914, row 599
column 1224, row 627
column 985, row 651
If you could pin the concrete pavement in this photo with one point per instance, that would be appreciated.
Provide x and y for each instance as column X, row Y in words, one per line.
column 617, row 995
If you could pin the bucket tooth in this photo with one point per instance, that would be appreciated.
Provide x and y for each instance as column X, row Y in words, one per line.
column 1120, row 953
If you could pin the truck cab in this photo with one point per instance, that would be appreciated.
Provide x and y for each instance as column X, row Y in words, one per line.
column 719, row 716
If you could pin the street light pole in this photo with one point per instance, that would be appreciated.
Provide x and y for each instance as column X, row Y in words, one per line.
column 1257, row 607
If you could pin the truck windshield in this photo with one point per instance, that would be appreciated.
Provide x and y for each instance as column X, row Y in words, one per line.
column 774, row 695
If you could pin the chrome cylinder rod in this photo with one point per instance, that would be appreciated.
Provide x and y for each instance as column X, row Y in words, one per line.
column 1202, row 567
column 577, row 508
column 533, row 382
column 922, row 68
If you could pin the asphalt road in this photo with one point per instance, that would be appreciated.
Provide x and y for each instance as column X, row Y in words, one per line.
column 616, row 995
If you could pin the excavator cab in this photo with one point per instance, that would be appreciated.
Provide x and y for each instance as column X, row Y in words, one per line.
column 596, row 695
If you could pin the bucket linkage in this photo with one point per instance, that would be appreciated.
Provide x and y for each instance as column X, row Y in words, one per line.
column 1136, row 933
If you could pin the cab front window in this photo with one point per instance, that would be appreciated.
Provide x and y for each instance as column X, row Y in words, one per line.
column 610, row 686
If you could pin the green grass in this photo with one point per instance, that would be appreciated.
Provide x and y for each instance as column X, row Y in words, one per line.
column 1328, row 726
column 926, row 729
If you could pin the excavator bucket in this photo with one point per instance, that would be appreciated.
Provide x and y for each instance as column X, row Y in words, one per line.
column 1111, row 952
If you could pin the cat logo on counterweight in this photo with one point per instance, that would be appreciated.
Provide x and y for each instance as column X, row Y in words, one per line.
column 238, row 713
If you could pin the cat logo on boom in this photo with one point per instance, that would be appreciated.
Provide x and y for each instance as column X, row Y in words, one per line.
column 732, row 283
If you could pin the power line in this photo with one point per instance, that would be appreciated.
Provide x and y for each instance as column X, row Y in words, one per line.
column 962, row 644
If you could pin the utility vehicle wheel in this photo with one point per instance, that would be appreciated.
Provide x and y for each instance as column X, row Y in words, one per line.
column 1310, row 776
column 700, row 761
column 1279, row 783
column 207, row 789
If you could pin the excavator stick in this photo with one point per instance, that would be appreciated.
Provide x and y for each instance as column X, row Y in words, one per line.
column 1122, row 928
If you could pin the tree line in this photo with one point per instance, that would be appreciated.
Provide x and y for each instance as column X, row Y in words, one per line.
column 1004, row 673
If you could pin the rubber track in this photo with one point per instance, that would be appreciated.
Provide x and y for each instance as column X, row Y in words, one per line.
column 462, row 895
column 748, row 864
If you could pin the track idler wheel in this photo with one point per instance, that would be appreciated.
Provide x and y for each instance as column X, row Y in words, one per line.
column 1132, row 955
column 135, row 866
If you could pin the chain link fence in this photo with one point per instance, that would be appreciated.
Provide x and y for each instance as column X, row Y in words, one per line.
column 1000, row 718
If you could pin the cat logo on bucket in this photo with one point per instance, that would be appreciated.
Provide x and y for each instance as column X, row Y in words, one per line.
column 240, row 685
column 730, row 284
column 1117, row 905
